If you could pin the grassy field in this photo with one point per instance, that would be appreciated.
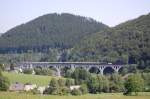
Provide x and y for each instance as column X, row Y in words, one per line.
column 24, row 78
column 12, row 95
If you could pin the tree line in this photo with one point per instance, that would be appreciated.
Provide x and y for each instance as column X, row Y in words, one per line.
column 90, row 83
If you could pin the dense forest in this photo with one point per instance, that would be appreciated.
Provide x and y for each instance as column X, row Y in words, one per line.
column 67, row 37
column 48, row 31
column 128, row 42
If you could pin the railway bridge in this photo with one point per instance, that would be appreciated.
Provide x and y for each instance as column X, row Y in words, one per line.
column 72, row 65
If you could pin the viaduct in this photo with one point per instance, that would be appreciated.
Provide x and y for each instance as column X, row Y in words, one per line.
column 72, row 65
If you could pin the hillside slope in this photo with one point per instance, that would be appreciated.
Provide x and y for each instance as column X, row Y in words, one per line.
column 49, row 31
column 128, row 42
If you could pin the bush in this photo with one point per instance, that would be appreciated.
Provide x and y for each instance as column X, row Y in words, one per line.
column 40, row 71
column 81, row 76
column 134, row 83
column 35, row 91
column 27, row 71
column 76, row 92
column 64, row 91
column 2, row 67
column 12, row 66
column 84, row 89
column 69, row 82
column 68, row 74
column 146, row 77
column 61, row 82
column 4, row 83
column 116, row 83
column 93, row 84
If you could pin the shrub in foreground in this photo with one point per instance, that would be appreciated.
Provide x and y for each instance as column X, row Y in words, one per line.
column 134, row 83
column 76, row 92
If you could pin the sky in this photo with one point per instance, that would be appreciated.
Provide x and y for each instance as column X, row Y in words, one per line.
column 109, row 12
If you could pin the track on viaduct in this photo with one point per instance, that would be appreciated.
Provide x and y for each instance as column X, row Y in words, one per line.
column 72, row 65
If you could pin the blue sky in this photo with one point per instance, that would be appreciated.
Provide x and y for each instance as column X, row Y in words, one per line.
column 110, row 12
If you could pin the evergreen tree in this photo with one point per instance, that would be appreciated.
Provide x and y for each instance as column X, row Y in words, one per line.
column 4, row 83
column 2, row 67
column 61, row 82
column 53, row 87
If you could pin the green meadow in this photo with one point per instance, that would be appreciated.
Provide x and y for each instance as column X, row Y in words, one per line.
column 24, row 78
column 12, row 95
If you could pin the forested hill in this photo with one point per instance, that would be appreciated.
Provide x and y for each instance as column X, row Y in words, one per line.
column 128, row 42
column 51, row 30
